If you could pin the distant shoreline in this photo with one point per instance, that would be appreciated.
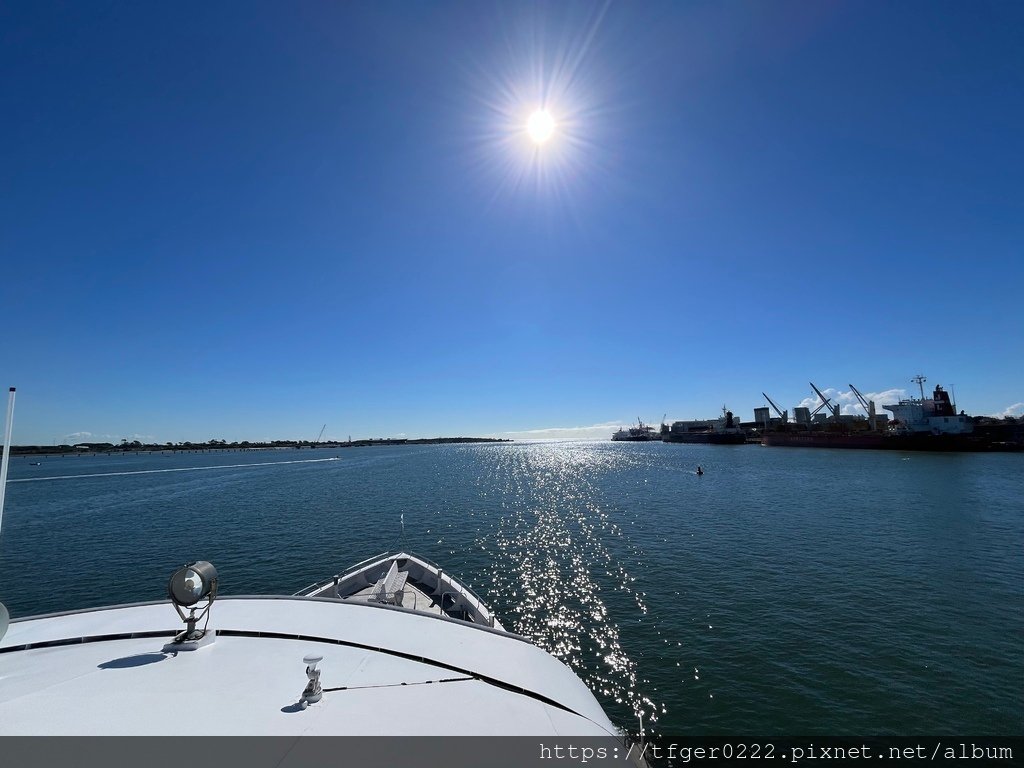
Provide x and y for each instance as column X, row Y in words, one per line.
column 91, row 449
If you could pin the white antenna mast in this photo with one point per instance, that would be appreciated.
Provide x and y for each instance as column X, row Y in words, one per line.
column 7, row 452
column 5, row 617
column 920, row 380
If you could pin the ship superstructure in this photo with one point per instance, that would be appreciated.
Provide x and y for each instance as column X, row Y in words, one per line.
column 936, row 416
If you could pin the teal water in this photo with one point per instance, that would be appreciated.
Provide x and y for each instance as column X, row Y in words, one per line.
column 787, row 591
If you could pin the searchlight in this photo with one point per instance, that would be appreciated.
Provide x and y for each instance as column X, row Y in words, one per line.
column 188, row 586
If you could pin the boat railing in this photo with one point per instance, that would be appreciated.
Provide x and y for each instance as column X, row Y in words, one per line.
column 464, row 590
column 480, row 609
column 316, row 585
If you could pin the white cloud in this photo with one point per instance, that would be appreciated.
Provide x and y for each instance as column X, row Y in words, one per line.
column 78, row 436
column 848, row 402
column 594, row 432
column 1017, row 409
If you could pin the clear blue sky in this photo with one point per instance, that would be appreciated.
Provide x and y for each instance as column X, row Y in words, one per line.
column 246, row 220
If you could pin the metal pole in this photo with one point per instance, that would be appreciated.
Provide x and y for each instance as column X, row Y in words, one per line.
column 7, row 452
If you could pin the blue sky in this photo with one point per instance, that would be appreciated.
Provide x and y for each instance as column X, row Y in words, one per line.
column 245, row 221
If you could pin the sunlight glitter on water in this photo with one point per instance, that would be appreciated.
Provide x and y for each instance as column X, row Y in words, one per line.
column 560, row 551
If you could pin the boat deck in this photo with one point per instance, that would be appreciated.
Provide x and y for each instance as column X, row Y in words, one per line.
column 412, row 597
column 385, row 673
column 407, row 581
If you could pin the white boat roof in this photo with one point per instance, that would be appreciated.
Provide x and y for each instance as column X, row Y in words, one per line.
column 385, row 671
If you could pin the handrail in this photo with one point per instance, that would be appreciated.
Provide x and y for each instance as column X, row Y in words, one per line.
column 454, row 602
column 466, row 589
column 325, row 582
column 481, row 614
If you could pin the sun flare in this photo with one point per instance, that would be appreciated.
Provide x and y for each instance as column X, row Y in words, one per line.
column 536, row 124
column 540, row 126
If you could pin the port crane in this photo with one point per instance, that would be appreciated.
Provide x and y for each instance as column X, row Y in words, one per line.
column 317, row 441
column 867, row 405
column 784, row 415
column 825, row 402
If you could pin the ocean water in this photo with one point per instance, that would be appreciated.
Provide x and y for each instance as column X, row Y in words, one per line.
column 785, row 592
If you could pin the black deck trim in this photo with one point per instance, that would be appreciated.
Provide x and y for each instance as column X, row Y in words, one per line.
column 89, row 639
column 402, row 655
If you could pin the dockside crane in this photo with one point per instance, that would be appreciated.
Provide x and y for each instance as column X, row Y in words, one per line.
column 784, row 415
column 867, row 405
column 825, row 402
column 317, row 441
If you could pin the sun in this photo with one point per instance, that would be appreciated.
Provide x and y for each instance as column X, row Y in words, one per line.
column 540, row 126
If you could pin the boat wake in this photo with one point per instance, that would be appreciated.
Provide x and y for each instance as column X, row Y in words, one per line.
column 174, row 469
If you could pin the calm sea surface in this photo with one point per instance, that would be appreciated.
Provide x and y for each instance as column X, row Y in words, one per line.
column 787, row 591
